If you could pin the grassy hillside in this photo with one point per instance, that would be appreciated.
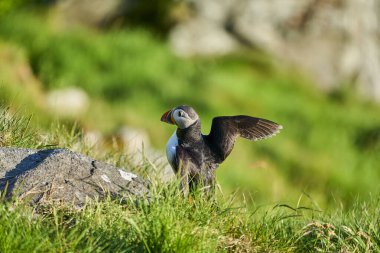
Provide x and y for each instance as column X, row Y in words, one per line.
column 327, row 150
column 171, row 223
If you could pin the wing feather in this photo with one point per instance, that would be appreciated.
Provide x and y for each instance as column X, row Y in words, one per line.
column 225, row 130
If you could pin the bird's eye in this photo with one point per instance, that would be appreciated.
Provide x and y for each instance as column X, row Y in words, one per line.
column 181, row 113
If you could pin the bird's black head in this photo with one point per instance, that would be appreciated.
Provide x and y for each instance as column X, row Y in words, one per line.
column 183, row 116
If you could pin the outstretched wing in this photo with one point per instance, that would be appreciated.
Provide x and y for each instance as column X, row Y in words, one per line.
column 225, row 130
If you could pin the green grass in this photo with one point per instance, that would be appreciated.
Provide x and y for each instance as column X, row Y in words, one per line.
column 171, row 223
column 168, row 222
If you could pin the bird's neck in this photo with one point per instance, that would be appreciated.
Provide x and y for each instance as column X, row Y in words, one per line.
column 190, row 135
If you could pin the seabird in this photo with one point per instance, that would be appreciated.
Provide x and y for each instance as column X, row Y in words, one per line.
column 194, row 156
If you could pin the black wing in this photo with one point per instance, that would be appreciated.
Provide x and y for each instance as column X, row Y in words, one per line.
column 225, row 130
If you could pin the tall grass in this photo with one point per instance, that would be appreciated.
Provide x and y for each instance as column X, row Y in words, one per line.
column 169, row 222
column 14, row 129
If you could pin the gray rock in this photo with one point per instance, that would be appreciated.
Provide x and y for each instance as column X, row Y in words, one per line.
column 63, row 176
column 67, row 102
column 201, row 37
column 90, row 12
column 333, row 41
column 133, row 139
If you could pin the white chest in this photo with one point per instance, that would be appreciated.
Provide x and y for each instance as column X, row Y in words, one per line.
column 171, row 147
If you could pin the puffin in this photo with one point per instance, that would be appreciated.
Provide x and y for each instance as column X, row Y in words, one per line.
column 194, row 157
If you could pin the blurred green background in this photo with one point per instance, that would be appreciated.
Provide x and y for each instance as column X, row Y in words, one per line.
column 120, row 69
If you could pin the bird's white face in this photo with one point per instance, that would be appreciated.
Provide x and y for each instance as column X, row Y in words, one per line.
column 183, row 116
column 182, row 119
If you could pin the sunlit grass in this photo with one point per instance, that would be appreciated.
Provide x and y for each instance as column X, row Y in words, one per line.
column 170, row 222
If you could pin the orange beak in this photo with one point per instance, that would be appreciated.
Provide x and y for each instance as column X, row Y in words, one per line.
column 168, row 117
